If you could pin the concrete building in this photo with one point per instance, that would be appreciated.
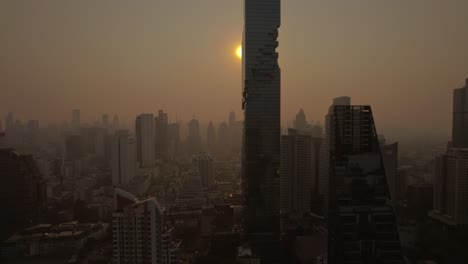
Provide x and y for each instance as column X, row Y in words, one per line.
column 161, row 135
column 451, row 188
column 204, row 163
column 123, row 158
column 22, row 192
column 296, row 174
column 137, row 230
column 144, row 129
column 460, row 117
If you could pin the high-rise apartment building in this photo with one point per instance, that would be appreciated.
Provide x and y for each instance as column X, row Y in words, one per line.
column 261, row 103
column 22, row 192
column 144, row 129
column 361, row 223
column 451, row 169
column 210, row 137
column 137, row 230
column 123, row 158
column 296, row 173
column 460, row 117
column 204, row 163
column 161, row 134
column 451, row 188
column 194, row 141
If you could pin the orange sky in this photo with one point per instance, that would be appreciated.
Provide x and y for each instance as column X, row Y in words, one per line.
column 128, row 57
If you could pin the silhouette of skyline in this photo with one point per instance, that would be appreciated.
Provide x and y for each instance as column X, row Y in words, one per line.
column 401, row 57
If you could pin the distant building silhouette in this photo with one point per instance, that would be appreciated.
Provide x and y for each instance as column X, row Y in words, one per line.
column 300, row 124
column 296, row 175
column 144, row 129
column 451, row 169
column 123, row 158
column 460, row 117
column 173, row 131
column 361, row 224
column 211, row 137
column 204, row 163
column 194, row 141
column 22, row 192
column 161, row 134
column 261, row 103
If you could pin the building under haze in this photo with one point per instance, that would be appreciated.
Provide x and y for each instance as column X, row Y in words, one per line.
column 296, row 174
column 123, row 158
column 451, row 169
column 194, row 140
column 460, row 117
column 161, row 136
column 22, row 192
column 204, row 163
column 261, row 103
column 137, row 230
column 361, row 224
column 144, row 129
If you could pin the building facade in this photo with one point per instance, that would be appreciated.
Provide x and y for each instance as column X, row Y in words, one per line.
column 261, row 103
column 123, row 158
column 144, row 129
column 296, row 173
column 137, row 230
column 361, row 223
column 460, row 117
column 204, row 163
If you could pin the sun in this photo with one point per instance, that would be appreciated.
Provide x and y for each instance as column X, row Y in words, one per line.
column 239, row 52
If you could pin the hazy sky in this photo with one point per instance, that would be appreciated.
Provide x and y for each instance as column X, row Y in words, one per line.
column 404, row 57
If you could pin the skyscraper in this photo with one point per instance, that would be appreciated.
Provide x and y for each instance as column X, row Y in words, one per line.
column 460, row 117
column 261, row 104
column 22, row 191
column 144, row 128
column 173, row 131
column 194, row 144
column 161, row 137
column 123, row 158
column 300, row 124
column 296, row 174
column 451, row 188
column 205, row 165
column 451, row 169
column 210, row 137
column 361, row 224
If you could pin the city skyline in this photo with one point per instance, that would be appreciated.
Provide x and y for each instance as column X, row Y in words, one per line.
column 376, row 60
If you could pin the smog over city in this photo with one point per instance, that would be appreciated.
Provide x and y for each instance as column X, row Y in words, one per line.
column 242, row 131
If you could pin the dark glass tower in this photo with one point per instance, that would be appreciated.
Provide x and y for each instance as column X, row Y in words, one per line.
column 261, row 104
column 460, row 117
column 362, row 225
